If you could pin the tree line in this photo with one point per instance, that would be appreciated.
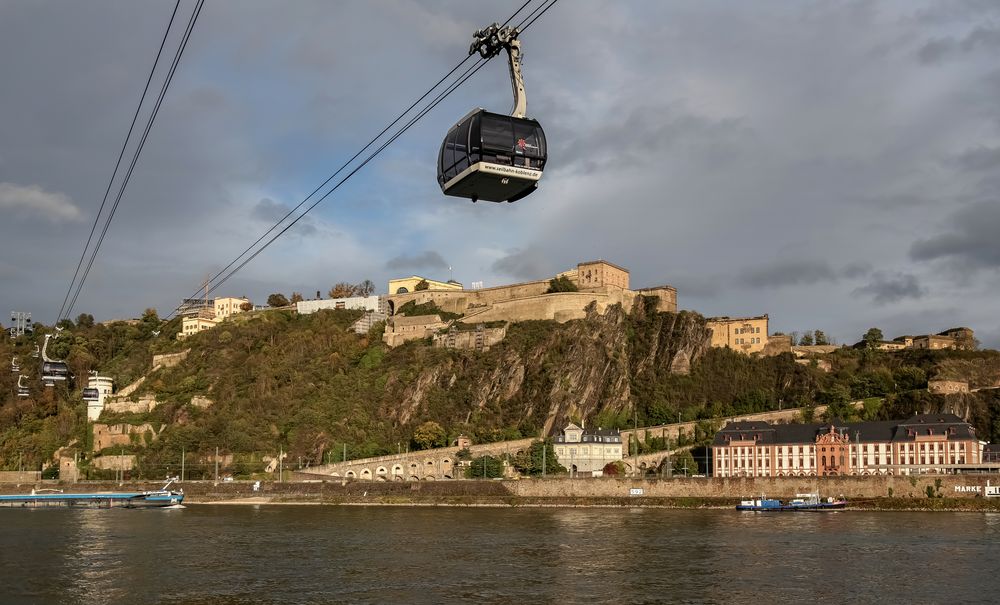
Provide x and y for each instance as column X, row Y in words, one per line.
column 339, row 290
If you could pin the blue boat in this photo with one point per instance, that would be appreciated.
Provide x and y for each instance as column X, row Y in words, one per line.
column 42, row 498
column 801, row 502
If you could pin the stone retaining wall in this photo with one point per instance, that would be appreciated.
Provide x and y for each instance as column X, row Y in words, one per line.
column 949, row 486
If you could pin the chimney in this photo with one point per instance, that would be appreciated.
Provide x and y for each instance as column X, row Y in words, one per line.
column 317, row 295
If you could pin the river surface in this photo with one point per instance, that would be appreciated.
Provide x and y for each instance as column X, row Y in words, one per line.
column 235, row 555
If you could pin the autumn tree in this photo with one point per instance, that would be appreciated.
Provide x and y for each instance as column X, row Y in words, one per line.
column 246, row 306
column 341, row 290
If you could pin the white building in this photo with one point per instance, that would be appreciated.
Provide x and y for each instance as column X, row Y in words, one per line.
column 587, row 452
column 104, row 386
column 363, row 303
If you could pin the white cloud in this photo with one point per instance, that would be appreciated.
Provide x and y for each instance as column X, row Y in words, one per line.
column 34, row 200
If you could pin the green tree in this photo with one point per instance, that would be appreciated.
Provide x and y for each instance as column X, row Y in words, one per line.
column 529, row 462
column 485, row 467
column 820, row 337
column 421, row 285
column 85, row 320
column 872, row 337
column 277, row 300
column 428, row 435
column 561, row 284
column 806, row 340
column 685, row 460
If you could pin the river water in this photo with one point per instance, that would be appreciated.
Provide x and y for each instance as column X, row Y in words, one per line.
column 235, row 555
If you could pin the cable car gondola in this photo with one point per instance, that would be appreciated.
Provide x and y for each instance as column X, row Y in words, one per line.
column 22, row 389
column 53, row 370
column 490, row 156
column 14, row 366
column 91, row 394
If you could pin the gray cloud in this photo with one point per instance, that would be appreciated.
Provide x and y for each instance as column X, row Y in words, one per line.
column 694, row 143
column 972, row 240
column 800, row 273
column 528, row 264
column 428, row 259
column 979, row 159
column 270, row 211
column 891, row 287
column 939, row 49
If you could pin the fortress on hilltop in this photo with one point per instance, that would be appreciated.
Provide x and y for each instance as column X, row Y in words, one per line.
column 599, row 282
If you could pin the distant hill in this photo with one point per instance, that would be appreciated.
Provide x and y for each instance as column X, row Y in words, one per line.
column 306, row 384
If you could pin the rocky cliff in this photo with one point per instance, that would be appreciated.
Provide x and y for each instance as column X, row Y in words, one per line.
column 545, row 373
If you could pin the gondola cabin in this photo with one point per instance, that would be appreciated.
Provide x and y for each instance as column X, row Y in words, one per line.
column 492, row 157
column 91, row 394
column 54, row 371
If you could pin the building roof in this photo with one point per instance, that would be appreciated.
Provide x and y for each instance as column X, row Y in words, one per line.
column 882, row 431
column 598, row 435
column 726, row 318
column 604, row 262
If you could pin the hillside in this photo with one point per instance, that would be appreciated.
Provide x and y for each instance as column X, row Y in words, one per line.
column 307, row 385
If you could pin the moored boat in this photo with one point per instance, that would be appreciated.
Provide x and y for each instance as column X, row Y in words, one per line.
column 42, row 498
column 801, row 502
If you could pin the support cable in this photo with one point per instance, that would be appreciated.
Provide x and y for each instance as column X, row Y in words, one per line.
column 343, row 167
column 135, row 158
column 472, row 70
column 121, row 154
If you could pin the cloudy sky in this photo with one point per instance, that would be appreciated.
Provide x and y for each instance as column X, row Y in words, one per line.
column 835, row 165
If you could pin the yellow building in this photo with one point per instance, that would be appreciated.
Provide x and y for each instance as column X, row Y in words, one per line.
column 404, row 285
column 600, row 273
column 224, row 307
column 193, row 325
column 744, row 334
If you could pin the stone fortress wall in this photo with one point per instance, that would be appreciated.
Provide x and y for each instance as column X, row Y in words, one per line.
column 599, row 282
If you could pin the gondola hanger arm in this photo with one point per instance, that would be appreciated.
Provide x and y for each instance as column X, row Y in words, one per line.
column 488, row 42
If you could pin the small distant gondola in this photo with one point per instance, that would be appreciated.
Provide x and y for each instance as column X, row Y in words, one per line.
column 22, row 389
column 54, row 371
column 490, row 156
column 91, row 394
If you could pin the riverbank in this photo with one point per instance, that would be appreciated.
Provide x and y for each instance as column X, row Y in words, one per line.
column 602, row 493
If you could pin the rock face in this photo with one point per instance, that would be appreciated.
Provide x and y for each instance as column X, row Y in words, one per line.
column 545, row 373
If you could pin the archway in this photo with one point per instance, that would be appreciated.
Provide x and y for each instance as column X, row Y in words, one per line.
column 366, row 474
column 392, row 308
column 350, row 475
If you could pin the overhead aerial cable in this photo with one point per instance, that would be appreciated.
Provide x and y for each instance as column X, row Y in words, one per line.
column 232, row 268
column 67, row 309
column 121, row 154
